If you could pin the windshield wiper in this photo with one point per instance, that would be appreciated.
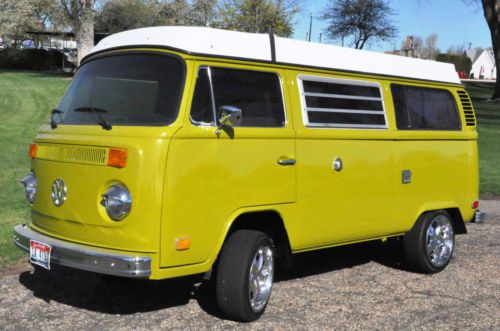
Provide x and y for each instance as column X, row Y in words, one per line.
column 53, row 123
column 97, row 116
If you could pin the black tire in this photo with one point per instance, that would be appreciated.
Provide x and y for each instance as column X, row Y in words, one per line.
column 429, row 245
column 234, row 295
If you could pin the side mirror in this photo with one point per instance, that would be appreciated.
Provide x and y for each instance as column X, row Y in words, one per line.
column 229, row 116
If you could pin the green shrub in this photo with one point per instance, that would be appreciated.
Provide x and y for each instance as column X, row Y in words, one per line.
column 461, row 62
column 32, row 59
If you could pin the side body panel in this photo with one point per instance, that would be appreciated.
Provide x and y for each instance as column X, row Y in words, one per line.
column 209, row 178
column 367, row 198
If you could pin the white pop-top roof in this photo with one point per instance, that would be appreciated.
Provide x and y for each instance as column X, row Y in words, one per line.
column 254, row 46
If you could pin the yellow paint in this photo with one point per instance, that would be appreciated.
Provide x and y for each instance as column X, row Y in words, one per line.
column 186, row 182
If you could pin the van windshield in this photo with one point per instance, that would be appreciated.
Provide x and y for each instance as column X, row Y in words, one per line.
column 131, row 89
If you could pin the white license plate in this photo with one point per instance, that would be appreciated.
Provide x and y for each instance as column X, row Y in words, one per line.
column 40, row 254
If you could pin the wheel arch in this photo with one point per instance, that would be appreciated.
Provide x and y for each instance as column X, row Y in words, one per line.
column 457, row 220
column 269, row 221
column 451, row 207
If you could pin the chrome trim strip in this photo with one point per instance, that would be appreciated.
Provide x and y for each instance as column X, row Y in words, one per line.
column 346, row 111
column 346, row 126
column 86, row 257
column 341, row 96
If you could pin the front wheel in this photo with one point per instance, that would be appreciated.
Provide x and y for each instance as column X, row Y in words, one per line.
column 245, row 275
column 429, row 244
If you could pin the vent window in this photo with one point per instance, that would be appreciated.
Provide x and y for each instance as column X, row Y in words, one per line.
column 341, row 103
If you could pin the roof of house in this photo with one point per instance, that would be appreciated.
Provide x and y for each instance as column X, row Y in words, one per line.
column 491, row 56
column 269, row 48
column 487, row 55
column 472, row 54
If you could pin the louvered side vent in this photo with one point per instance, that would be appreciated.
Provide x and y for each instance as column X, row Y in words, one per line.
column 470, row 119
column 73, row 154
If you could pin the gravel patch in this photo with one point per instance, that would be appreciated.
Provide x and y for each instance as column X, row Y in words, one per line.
column 361, row 286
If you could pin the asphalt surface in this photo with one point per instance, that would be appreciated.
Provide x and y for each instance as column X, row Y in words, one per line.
column 355, row 287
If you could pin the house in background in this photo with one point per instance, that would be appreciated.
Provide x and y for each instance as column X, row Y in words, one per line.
column 483, row 65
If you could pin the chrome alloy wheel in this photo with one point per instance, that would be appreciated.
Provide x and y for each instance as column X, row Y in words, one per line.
column 440, row 240
column 261, row 278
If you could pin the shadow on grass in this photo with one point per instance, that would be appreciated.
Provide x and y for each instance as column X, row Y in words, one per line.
column 490, row 117
column 43, row 73
column 112, row 295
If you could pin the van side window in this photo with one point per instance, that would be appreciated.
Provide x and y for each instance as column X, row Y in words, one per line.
column 257, row 94
column 422, row 108
column 330, row 102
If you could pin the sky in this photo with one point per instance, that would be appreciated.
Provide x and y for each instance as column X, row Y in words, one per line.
column 453, row 21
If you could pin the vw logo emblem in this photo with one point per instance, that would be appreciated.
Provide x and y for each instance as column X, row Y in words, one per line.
column 58, row 192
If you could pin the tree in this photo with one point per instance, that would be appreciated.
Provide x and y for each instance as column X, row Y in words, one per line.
column 491, row 11
column 204, row 13
column 430, row 47
column 415, row 46
column 79, row 15
column 264, row 16
column 362, row 20
column 412, row 46
column 17, row 17
column 174, row 13
column 461, row 61
column 116, row 16
column 458, row 49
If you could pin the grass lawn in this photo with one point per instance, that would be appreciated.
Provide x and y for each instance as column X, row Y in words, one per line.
column 26, row 99
column 488, row 116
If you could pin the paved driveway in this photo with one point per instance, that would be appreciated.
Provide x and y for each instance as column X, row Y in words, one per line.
column 356, row 287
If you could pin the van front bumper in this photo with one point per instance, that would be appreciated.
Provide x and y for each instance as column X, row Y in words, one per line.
column 85, row 257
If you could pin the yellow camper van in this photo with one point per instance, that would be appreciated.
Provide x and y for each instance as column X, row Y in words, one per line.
column 183, row 150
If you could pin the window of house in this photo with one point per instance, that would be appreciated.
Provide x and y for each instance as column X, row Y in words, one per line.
column 422, row 108
column 257, row 94
column 329, row 102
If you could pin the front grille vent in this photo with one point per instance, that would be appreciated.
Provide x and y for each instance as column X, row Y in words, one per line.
column 73, row 154
column 470, row 119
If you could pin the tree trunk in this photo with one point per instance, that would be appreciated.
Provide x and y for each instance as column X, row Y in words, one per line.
column 84, row 29
column 491, row 10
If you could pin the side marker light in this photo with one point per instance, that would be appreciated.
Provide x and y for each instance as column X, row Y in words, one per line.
column 33, row 149
column 182, row 244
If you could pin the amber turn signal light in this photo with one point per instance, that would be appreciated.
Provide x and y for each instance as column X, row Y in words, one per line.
column 32, row 152
column 117, row 157
column 181, row 244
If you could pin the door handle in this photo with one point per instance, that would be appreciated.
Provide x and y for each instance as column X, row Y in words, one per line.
column 286, row 162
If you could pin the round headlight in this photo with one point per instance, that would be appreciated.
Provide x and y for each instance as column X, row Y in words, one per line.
column 29, row 183
column 117, row 201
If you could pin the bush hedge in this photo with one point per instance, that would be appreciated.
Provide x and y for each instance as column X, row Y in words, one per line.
column 33, row 59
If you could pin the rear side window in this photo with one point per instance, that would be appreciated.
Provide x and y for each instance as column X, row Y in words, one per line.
column 421, row 108
column 329, row 102
column 257, row 94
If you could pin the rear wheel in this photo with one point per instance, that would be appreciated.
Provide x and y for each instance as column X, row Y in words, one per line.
column 245, row 275
column 429, row 244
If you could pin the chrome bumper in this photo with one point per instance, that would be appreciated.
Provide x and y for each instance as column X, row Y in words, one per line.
column 479, row 217
column 85, row 257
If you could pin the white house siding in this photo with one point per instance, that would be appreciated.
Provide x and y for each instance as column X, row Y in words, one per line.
column 484, row 67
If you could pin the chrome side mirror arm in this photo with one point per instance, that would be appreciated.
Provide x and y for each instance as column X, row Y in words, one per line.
column 228, row 116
